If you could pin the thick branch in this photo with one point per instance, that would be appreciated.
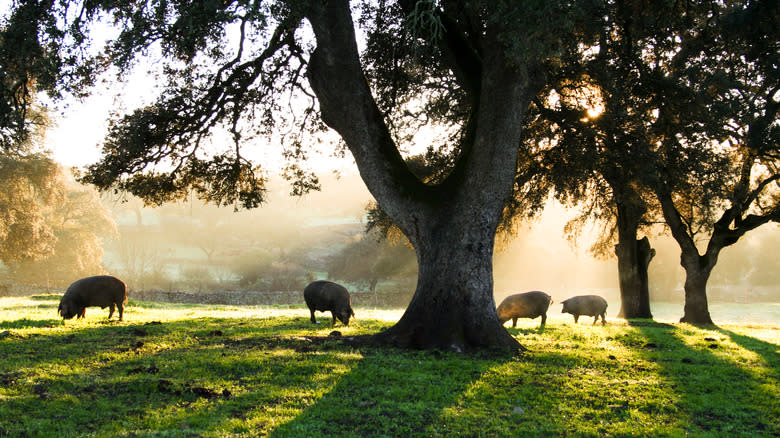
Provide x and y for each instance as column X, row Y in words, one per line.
column 346, row 105
column 507, row 89
column 675, row 222
column 724, row 234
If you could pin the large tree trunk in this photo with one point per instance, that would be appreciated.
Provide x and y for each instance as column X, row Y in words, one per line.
column 453, row 307
column 634, row 257
column 697, row 272
column 697, row 267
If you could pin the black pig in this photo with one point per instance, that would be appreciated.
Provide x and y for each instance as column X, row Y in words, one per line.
column 100, row 290
column 591, row 305
column 525, row 305
column 323, row 295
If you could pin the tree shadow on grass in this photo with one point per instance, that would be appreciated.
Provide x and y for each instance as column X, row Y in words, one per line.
column 20, row 308
column 106, row 378
column 391, row 392
column 237, row 376
column 30, row 323
column 47, row 297
column 649, row 323
column 719, row 396
column 526, row 331
column 767, row 350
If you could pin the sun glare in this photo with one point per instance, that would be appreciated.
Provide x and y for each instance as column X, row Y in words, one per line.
column 595, row 111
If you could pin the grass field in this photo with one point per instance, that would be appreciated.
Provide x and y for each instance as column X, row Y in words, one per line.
column 222, row 371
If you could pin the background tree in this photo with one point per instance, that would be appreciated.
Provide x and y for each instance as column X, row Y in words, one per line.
column 32, row 185
column 369, row 259
column 716, row 174
column 588, row 157
column 80, row 224
column 34, row 229
column 594, row 129
column 195, row 224
column 234, row 65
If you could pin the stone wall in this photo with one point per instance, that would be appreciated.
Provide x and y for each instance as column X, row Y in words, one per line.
column 256, row 298
column 235, row 298
column 25, row 290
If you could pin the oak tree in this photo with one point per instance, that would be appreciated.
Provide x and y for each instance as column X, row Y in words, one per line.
column 80, row 225
column 32, row 186
column 716, row 166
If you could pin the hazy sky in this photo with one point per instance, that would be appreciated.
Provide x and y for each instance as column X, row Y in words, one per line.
column 75, row 139
column 81, row 125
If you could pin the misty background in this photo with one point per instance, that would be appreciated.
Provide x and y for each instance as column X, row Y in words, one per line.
column 291, row 241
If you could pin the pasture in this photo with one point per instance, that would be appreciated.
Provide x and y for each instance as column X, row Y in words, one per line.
column 175, row 370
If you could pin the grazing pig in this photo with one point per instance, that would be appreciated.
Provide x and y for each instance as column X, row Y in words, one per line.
column 100, row 290
column 325, row 295
column 525, row 305
column 591, row 305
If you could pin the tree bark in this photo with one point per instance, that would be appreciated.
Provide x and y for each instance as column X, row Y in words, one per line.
column 697, row 267
column 697, row 272
column 645, row 254
column 634, row 256
column 453, row 307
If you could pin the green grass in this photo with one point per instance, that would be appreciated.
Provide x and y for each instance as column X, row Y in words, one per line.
column 175, row 370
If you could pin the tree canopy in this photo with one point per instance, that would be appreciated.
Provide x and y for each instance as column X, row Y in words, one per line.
column 32, row 185
column 716, row 167
column 80, row 226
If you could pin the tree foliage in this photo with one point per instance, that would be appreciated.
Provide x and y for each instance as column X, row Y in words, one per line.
column 80, row 224
column 42, row 50
column 718, row 137
column 368, row 259
column 32, row 186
